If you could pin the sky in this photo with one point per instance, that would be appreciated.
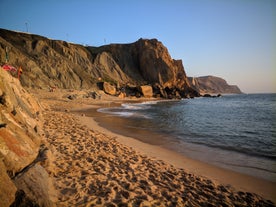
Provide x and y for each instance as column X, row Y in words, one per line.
column 232, row 39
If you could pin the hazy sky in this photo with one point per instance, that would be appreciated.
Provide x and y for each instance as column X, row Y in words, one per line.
column 233, row 39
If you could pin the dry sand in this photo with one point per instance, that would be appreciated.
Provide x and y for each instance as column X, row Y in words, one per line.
column 91, row 166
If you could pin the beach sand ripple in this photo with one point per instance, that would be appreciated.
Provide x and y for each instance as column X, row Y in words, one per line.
column 92, row 169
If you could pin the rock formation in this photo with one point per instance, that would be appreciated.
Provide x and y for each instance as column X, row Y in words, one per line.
column 146, row 91
column 52, row 63
column 213, row 85
column 20, row 146
column 109, row 89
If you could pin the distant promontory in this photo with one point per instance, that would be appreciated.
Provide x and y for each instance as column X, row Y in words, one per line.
column 213, row 85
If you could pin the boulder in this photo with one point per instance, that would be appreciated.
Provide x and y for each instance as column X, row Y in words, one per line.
column 122, row 95
column 37, row 185
column 207, row 95
column 93, row 95
column 72, row 96
column 109, row 89
column 22, row 200
column 146, row 91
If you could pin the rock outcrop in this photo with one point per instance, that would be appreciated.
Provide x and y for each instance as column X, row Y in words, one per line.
column 213, row 85
column 20, row 145
column 109, row 89
column 52, row 63
column 146, row 91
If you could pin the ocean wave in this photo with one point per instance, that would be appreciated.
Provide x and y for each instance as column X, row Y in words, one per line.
column 240, row 128
column 135, row 106
column 130, row 109
column 123, row 112
column 139, row 106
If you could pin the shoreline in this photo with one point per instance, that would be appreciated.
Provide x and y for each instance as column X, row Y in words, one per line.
column 142, row 123
column 91, row 166
column 239, row 181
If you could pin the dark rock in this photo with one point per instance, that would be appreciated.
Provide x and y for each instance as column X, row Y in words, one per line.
column 2, row 125
column 72, row 97
column 93, row 95
column 36, row 129
column 207, row 95
column 2, row 98
column 22, row 200
column 13, row 112
column 131, row 90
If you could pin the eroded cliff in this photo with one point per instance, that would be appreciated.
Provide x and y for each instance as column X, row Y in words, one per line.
column 54, row 63
column 22, row 178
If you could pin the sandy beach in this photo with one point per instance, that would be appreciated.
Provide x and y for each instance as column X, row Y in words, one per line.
column 92, row 166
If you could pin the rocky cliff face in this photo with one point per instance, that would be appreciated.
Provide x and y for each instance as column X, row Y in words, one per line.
column 212, row 84
column 53, row 63
column 21, row 177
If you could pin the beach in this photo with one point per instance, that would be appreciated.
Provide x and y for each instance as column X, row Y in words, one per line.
column 91, row 166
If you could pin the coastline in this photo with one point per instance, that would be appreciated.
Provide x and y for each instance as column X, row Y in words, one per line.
column 93, row 166
column 239, row 181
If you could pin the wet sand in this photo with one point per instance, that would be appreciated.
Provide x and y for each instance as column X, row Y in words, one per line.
column 223, row 176
column 92, row 166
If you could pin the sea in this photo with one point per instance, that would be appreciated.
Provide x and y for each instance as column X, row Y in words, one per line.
column 236, row 132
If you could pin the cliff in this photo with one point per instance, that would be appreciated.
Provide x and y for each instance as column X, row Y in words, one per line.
column 54, row 63
column 22, row 178
column 212, row 84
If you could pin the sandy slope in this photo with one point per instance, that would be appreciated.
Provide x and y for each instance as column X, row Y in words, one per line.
column 92, row 168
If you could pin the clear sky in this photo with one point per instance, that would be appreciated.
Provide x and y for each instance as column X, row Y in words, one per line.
column 232, row 39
